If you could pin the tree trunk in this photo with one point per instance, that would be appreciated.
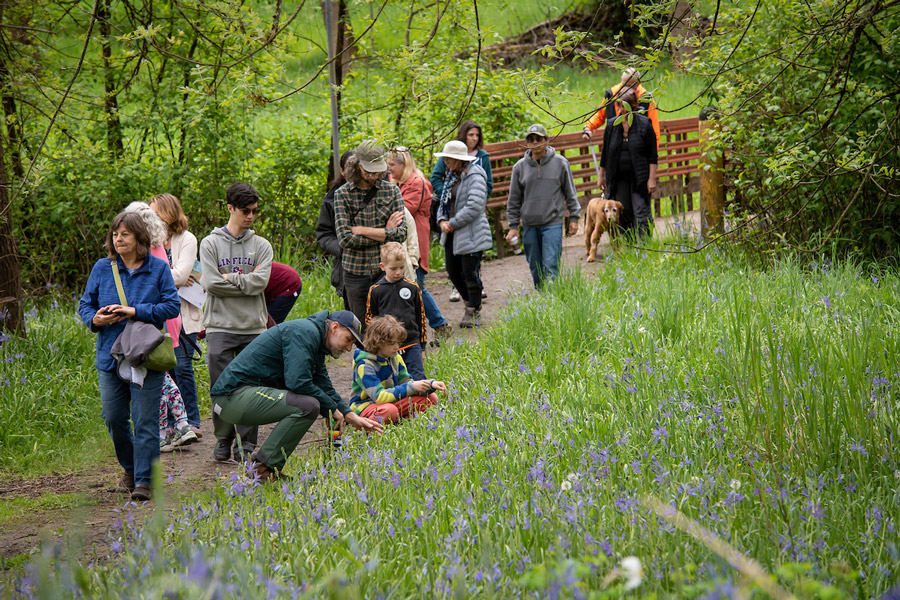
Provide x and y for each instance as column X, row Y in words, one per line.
column 12, row 316
column 113, row 126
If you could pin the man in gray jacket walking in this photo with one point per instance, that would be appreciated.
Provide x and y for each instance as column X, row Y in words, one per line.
column 235, row 267
column 540, row 189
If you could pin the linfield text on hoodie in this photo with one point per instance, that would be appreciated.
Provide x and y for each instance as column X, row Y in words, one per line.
column 540, row 191
column 236, row 304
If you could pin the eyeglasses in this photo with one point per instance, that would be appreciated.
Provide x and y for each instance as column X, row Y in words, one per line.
column 250, row 211
column 370, row 174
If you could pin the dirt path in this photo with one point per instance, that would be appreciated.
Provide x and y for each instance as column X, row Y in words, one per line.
column 192, row 469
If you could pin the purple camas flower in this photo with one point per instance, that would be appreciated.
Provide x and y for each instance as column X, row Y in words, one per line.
column 659, row 433
column 733, row 498
column 857, row 447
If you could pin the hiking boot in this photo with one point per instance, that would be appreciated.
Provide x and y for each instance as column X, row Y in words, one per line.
column 222, row 451
column 443, row 331
column 261, row 472
column 141, row 493
column 126, row 483
column 440, row 332
column 454, row 295
column 242, row 455
column 184, row 437
column 471, row 319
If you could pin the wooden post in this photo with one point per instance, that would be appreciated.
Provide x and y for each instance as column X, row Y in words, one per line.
column 712, row 178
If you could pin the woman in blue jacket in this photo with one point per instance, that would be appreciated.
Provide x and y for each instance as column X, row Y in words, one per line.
column 151, row 297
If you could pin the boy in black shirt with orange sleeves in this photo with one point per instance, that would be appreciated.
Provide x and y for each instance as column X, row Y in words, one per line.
column 401, row 298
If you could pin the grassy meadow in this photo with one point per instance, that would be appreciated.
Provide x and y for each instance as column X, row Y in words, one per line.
column 757, row 405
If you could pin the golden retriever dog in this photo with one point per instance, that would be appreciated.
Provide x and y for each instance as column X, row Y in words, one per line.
column 602, row 215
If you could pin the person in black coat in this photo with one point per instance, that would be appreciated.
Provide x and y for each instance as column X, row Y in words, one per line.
column 628, row 165
column 326, row 233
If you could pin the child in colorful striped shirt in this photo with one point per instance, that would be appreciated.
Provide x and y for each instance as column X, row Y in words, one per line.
column 382, row 388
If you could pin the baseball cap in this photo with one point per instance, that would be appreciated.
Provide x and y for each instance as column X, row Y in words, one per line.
column 371, row 156
column 537, row 129
column 348, row 320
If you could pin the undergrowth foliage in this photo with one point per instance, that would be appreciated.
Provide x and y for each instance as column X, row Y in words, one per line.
column 759, row 403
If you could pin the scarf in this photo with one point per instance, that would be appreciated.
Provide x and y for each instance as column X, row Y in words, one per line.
column 450, row 181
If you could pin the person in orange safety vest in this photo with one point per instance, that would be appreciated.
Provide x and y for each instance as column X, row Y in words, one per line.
column 631, row 79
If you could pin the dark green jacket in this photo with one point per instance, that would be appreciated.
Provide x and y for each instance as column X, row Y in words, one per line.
column 290, row 356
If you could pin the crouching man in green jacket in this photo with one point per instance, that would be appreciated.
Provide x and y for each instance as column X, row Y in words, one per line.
column 281, row 376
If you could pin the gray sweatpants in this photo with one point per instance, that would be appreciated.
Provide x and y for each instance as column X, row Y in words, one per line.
column 221, row 348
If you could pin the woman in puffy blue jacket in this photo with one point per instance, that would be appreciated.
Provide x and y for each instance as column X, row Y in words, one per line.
column 151, row 297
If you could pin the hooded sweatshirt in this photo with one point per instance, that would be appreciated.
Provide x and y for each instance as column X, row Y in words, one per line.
column 379, row 380
column 236, row 304
column 540, row 191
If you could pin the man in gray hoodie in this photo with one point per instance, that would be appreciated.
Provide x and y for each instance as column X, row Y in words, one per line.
column 541, row 187
column 235, row 266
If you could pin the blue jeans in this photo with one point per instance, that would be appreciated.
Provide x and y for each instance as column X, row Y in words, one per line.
column 121, row 401
column 184, row 379
column 543, row 247
column 432, row 312
column 412, row 356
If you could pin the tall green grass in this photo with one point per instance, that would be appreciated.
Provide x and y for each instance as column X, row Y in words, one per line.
column 760, row 403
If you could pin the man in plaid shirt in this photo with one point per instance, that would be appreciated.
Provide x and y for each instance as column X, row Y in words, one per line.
column 368, row 211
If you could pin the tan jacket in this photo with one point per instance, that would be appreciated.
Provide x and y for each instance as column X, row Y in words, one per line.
column 184, row 253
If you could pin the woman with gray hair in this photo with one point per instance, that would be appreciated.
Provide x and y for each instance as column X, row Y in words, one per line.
column 181, row 252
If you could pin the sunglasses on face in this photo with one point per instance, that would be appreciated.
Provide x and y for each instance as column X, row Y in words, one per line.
column 534, row 139
column 249, row 211
column 401, row 149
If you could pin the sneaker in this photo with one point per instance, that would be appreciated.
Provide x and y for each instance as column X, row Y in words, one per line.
column 141, row 493
column 483, row 293
column 125, row 484
column 185, row 437
column 470, row 319
column 167, row 444
column 222, row 451
column 454, row 295
column 197, row 432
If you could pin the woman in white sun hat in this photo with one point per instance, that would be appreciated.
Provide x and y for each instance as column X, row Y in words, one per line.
column 465, row 231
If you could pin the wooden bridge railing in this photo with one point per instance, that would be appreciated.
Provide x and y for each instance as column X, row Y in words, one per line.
column 677, row 174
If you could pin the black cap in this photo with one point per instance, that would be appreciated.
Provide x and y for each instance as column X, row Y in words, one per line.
column 348, row 320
